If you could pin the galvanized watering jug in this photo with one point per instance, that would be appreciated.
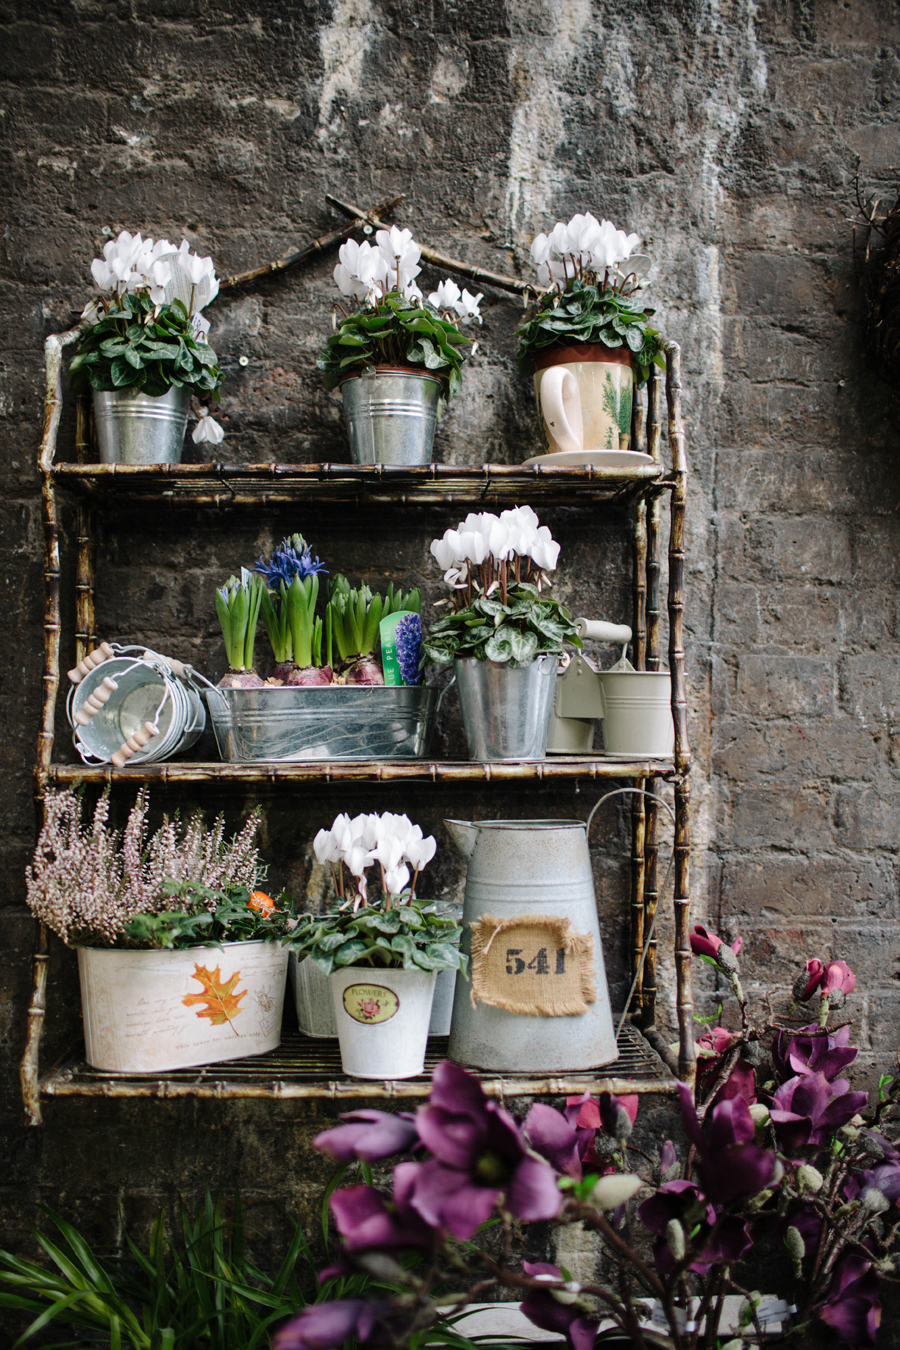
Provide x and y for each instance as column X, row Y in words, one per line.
column 531, row 915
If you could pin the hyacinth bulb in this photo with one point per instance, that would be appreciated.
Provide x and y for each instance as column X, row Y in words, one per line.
column 240, row 679
column 307, row 676
column 364, row 671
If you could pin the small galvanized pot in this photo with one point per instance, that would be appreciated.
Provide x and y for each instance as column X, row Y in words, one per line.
column 138, row 429
column 153, row 1011
column 312, row 998
column 506, row 712
column 391, row 415
column 382, row 1020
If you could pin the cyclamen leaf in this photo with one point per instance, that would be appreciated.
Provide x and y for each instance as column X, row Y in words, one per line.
column 350, row 952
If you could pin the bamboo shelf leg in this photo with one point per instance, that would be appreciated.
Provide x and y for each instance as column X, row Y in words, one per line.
column 84, row 582
column 638, row 894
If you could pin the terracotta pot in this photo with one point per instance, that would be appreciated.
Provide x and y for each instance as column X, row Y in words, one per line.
column 584, row 391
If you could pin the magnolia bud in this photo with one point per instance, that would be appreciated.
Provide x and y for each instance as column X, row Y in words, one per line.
column 675, row 1239
column 759, row 1114
column 874, row 1201
column 726, row 960
column 849, row 1132
column 734, row 1345
column 753, row 1053
column 380, row 1265
column 800, row 985
column 836, row 999
column 809, row 1178
column 777, row 1173
column 567, row 1295
column 793, row 1240
column 623, row 1125
column 611, row 1191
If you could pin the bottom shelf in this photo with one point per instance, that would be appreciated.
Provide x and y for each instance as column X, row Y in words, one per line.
column 303, row 1067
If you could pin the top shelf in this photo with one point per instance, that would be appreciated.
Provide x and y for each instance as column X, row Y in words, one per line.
column 263, row 484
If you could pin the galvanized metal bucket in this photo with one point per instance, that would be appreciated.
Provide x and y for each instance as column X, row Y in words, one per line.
column 282, row 724
column 312, row 998
column 135, row 688
column 637, row 713
column 391, row 415
column 506, row 712
column 137, row 429
column 529, row 867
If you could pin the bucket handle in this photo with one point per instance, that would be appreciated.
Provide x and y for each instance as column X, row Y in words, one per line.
column 637, row 792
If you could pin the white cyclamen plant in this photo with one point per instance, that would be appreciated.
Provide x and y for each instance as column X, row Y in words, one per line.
column 497, row 568
column 149, row 332
column 393, row 325
column 592, row 274
column 389, row 840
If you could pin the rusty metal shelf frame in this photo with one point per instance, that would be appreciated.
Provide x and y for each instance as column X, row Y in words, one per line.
column 303, row 1067
column 219, row 486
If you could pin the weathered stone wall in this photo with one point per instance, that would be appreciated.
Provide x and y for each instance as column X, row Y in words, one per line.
column 725, row 134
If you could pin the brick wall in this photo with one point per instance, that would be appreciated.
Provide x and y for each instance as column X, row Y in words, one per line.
column 726, row 136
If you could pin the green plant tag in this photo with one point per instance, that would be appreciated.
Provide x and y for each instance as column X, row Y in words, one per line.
column 390, row 658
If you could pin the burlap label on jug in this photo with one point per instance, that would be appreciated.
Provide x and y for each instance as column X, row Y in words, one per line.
column 535, row 964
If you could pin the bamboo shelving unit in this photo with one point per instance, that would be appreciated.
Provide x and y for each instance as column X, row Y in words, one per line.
column 303, row 1068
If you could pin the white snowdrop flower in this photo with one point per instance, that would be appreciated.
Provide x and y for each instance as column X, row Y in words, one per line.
column 446, row 295
column 207, row 429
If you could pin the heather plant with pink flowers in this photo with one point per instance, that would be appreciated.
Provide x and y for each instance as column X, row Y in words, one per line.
column 777, row 1155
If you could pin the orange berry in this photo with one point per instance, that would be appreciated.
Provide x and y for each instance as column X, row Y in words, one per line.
column 261, row 902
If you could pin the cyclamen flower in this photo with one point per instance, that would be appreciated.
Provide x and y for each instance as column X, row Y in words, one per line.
column 207, row 429
column 446, row 295
column 584, row 247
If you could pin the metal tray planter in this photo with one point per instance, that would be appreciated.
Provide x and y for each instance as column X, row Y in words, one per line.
column 282, row 723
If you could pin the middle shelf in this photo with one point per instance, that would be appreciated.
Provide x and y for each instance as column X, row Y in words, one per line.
column 366, row 771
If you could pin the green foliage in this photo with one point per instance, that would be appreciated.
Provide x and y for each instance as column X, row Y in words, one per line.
column 411, row 936
column 146, row 348
column 529, row 625
column 396, row 332
column 353, row 615
column 237, row 606
column 584, row 313
column 291, row 623
column 199, row 1293
column 208, row 918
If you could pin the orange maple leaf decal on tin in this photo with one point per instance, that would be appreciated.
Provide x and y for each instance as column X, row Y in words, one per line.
column 220, row 999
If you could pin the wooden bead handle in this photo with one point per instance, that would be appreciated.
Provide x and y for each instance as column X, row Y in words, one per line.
column 95, row 700
column 134, row 744
column 102, row 653
column 177, row 667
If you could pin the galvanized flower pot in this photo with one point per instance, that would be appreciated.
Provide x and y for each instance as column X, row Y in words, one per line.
column 285, row 724
column 506, row 712
column 154, row 1011
column 137, row 429
column 391, row 415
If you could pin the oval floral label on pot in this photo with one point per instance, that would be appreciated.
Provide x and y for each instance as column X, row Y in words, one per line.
column 370, row 1002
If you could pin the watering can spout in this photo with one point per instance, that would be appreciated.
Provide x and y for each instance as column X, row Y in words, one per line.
column 464, row 834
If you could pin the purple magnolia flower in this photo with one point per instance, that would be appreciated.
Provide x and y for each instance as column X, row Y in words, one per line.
column 366, row 1220
column 551, row 1135
column 884, row 1178
column 546, row 1312
column 806, row 1110
column 579, row 1111
column 322, row 1326
column 812, row 1050
column 853, row 1306
column 408, row 641
column 370, row 1136
column 723, row 1237
column 838, row 975
column 741, row 1082
column 479, row 1156
column 292, row 558
column 730, row 1163
column 705, row 943
column 806, row 985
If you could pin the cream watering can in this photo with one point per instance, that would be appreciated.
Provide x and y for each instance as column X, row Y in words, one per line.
column 537, row 999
